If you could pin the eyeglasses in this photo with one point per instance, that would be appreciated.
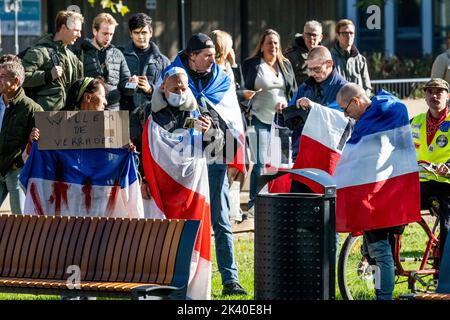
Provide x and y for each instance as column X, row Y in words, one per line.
column 346, row 33
column 348, row 105
column 311, row 35
column 316, row 69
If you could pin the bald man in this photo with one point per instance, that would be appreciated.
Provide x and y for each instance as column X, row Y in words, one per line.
column 371, row 117
column 321, row 87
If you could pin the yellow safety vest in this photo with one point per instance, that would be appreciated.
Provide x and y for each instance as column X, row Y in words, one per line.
column 439, row 149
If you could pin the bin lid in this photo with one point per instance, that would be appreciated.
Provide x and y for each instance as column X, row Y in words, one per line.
column 320, row 177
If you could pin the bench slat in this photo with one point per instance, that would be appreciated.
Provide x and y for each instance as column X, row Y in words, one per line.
column 94, row 254
column 165, row 253
column 141, row 252
column 41, row 247
column 135, row 244
column 115, row 266
column 26, row 247
column 55, row 256
column 80, row 243
column 49, row 247
column 33, row 246
column 65, row 245
column 72, row 248
column 11, row 246
column 173, row 253
column 109, row 255
column 86, row 252
column 157, row 252
column 8, row 225
column 104, row 242
column 19, row 247
column 149, row 251
column 123, row 266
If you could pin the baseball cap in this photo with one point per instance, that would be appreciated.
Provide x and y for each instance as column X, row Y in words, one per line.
column 199, row 41
column 437, row 83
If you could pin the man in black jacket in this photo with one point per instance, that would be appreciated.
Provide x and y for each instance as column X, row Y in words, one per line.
column 146, row 64
column 297, row 53
column 16, row 121
column 101, row 58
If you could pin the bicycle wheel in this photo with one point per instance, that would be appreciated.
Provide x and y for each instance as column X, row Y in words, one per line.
column 355, row 275
column 414, row 264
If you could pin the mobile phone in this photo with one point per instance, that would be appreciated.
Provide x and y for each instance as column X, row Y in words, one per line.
column 189, row 123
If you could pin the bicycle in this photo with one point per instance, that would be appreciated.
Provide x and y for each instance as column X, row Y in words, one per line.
column 356, row 272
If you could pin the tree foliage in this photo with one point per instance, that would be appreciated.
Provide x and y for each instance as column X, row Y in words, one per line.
column 114, row 6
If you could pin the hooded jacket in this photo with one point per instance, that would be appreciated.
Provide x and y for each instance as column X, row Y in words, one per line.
column 37, row 62
column 352, row 66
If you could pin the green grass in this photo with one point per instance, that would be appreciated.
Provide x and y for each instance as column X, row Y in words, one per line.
column 414, row 242
column 244, row 259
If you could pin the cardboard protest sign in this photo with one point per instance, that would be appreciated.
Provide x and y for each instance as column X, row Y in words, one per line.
column 61, row 130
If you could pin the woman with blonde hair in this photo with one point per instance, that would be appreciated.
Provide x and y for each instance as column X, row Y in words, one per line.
column 270, row 77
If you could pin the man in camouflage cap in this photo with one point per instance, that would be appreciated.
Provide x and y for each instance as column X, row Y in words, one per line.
column 431, row 134
column 437, row 83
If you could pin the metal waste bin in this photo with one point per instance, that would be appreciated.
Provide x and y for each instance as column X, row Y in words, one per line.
column 295, row 241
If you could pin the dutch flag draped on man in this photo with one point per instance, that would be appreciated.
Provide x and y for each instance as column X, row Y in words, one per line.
column 377, row 176
column 89, row 182
column 179, row 188
column 376, row 172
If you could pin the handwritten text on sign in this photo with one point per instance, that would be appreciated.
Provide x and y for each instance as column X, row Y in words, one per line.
column 61, row 130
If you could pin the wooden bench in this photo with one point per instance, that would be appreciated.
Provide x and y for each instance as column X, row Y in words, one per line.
column 117, row 257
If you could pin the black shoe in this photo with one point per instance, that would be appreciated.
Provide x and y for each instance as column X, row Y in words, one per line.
column 233, row 289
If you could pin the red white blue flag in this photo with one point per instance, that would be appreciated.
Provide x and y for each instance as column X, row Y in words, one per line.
column 377, row 176
column 91, row 182
column 177, row 174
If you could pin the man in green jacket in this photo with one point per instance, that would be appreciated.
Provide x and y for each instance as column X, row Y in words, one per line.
column 16, row 121
column 50, row 67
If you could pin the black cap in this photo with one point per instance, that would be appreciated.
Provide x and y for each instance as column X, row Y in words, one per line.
column 199, row 41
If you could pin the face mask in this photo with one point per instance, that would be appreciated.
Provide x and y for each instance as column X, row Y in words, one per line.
column 176, row 100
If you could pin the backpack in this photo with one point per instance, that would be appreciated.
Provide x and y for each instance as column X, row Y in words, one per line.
column 31, row 92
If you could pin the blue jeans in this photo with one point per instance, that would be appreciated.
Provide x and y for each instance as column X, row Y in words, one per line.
column 220, row 220
column 258, row 142
column 381, row 251
column 10, row 184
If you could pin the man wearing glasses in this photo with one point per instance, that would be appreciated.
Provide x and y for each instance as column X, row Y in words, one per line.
column 50, row 67
column 347, row 59
column 297, row 53
column 321, row 87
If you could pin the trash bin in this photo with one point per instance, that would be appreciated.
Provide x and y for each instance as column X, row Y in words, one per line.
column 295, row 241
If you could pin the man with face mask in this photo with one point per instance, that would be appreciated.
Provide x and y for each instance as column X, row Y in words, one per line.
column 214, row 90
column 101, row 58
column 175, row 137
column 173, row 103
